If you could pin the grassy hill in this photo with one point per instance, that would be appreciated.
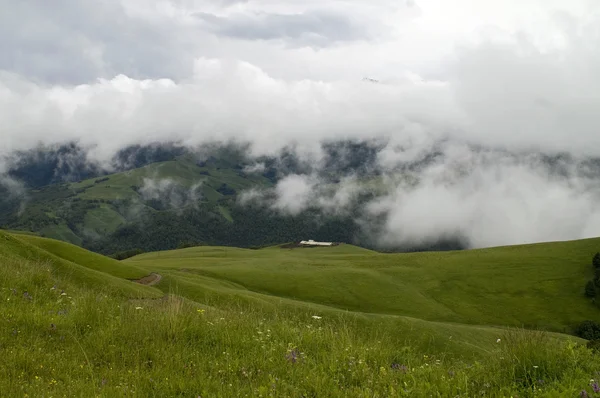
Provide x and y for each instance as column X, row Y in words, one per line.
column 535, row 286
column 74, row 212
column 332, row 322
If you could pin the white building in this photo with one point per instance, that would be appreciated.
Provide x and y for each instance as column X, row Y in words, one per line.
column 311, row 242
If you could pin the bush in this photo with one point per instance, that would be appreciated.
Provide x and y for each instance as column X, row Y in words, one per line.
column 590, row 290
column 596, row 260
column 185, row 245
column 588, row 330
column 126, row 254
column 594, row 345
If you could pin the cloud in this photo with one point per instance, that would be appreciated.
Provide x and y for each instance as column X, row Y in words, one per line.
column 70, row 42
column 491, row 198
column 480, row 197
column 168, row 193
column 255, row 168
column 313, row 27
column 466, row 101
column 293, row 194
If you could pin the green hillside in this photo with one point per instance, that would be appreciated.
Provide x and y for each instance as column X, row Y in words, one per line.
column 73, row 265
column 97, row 207
column 534, row 286
column 167, row 204
column 325, row 322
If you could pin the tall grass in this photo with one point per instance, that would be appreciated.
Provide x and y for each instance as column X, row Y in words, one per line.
column 58, row 339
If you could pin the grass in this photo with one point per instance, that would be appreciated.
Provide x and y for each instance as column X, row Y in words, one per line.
column 533, row 286
column 62, row 232
column 71, row 324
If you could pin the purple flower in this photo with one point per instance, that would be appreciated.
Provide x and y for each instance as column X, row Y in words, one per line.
column 292, row 356
column 401, row 368
column 27, row 296
column 595, row 387
column 583, row 394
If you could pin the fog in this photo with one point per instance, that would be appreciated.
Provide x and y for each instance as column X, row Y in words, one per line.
column 467, row 104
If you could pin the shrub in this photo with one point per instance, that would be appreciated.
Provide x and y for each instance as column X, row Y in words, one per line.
column 588, row 330
column 590, row 289
column 126, row 254
column 596, row 260
column 594, row 345
column 185, row 245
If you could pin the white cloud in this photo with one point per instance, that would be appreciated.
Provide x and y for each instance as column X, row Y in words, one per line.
column 515, row 75
column 293, row 194
column 254, row 168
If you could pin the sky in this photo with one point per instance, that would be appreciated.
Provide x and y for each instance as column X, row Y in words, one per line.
column 517, row 75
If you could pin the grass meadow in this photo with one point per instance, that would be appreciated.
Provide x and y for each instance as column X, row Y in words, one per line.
column 280, row 323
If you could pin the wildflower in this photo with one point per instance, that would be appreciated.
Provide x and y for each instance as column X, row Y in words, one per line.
column 200, row 311
column 292, row 356
column 498, row 341
column 535, row 366
column 316, row 317
column 63, row 294
column 583, row 394
column 595, row 387
column 401, row 368
column 138, row 308
column 27, row 296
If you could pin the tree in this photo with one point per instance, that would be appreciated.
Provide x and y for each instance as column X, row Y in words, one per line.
column 588, row 330
column 596, row 260
column 590, row 289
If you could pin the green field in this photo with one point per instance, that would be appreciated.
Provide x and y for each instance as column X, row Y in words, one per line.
column 322, row 322
column 534, row 286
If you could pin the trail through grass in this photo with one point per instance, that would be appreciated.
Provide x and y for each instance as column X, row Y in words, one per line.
column 70, row 330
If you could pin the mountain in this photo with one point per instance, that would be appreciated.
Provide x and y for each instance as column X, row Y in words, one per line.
column 165, row 196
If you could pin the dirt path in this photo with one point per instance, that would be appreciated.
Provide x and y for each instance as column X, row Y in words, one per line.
column 150, row 280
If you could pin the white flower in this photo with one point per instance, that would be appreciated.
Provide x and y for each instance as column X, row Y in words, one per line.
column 535, row 366
column 497, row 341
column 138, row 308
column 316, row 317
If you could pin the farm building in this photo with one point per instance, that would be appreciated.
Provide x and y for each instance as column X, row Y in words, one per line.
column 311, row 242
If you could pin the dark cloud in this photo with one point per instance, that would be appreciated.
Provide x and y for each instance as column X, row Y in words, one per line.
column 316, row 27
column 67, row 41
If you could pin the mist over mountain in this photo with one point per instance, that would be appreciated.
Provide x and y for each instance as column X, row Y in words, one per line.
column 417, row 122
